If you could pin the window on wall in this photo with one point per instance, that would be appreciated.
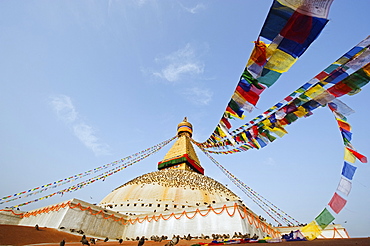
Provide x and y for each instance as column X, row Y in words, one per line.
column 166, row 206
column 150, row 205
column 142, row 204
column 175, row 206
column 128, row 204
column 158, row 205
column 135, row 204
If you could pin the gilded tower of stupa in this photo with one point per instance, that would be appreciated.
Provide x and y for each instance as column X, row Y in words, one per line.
column 182, row 154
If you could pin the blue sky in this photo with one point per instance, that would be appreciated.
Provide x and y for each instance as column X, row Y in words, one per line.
column 85, row 83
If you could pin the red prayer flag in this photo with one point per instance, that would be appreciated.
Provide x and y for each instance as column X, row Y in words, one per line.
column 344, row 125
column 360, row 157
column 226, row 122
column 254, row 131
column 298, row 27
column 339, row 89
column 259, row 53
column 249, row 96
column 322, row 75
column 337, row 203
column 257, row 90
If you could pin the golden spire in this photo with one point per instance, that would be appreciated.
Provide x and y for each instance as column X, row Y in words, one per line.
column 185, row 127
column 182, row 154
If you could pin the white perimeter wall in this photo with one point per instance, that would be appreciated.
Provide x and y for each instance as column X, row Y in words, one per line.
column 207, row 225
column 78, row 219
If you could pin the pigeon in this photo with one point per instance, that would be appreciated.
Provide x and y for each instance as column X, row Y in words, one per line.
column 141, row 241
column 175, row 240
column 62, row 243
column 84, row 241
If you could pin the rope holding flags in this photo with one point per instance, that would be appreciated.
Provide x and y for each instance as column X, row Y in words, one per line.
column 345, row 76
column 269, row 208
column 338, row 201
column 126, row 162
column 289, row 29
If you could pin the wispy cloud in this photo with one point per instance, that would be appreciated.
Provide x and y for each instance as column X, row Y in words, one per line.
column 179, row 63
column 198, row 95
column 270, row 161
column 195, row 9
column 67, row 112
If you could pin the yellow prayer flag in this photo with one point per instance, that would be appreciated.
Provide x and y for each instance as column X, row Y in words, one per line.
column 280, row 61
column 311, row 231
column 238, row 99
column 314, row 91
column 301, row 111
column 256, row 143
column 266, row 122
column 348, row 156
column 366, row 69
column 244, row 136
column 278, row 131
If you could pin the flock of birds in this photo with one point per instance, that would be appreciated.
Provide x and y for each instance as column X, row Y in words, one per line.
column 181, row 178
column 175, row 239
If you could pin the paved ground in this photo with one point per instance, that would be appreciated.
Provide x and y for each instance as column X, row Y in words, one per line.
column 24, row 235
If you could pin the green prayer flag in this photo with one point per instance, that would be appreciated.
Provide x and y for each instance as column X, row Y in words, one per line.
column 248, row 77
column 268, row 77
column 324, row 218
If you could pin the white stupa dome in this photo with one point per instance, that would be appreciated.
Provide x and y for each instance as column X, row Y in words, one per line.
column 167, row 189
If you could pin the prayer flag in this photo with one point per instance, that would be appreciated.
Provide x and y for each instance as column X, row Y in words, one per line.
column 341, row 107
column 348, row 156
column 337, row 203
column 324, row 218
column 346, row 134
column 311, row 231
column 348, row 170
column 248, row 96
column 344, row 186
column 339, row 89
column 360, row 157
column 344, row 125
column 259, row 53
column 225, row 122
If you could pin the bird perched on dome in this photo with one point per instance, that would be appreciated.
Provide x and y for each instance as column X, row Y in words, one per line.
column 84, row 241
column 62, row 243
column 141, row 241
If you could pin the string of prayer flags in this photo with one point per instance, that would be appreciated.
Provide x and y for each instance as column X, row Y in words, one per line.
column 312, row 230
column 337, row 202
column 300, row 104
column 137, row 158
column 288, row 30
column 272, row 210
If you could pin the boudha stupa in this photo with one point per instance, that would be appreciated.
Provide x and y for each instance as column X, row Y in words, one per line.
column 177, row 199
